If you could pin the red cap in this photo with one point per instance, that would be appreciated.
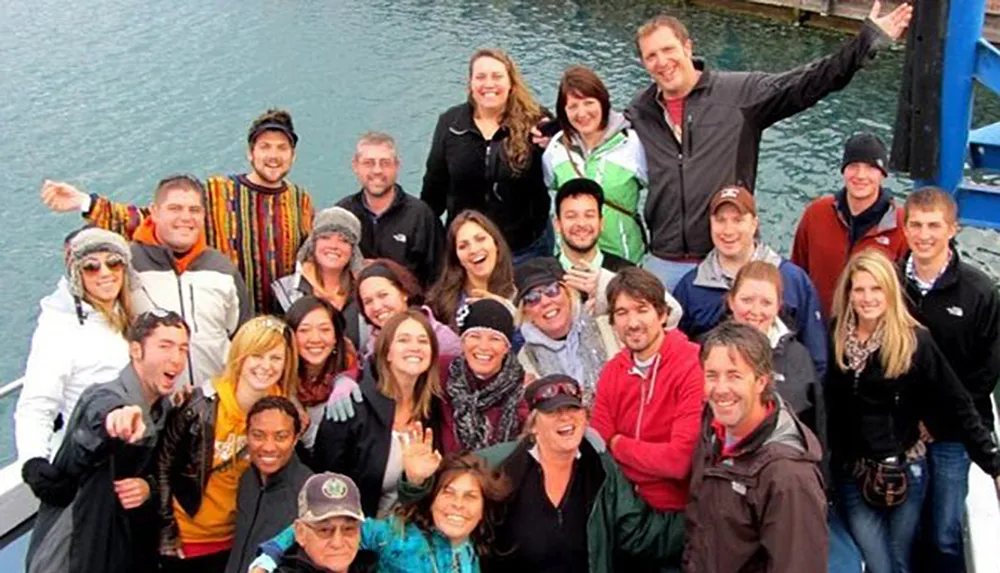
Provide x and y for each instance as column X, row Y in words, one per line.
column 736, row 196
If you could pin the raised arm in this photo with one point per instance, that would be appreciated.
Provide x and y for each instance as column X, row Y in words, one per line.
column 99, row 211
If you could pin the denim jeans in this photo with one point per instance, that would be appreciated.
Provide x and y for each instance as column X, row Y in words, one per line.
column 844, row 555
column 543, row 246
column 669, row 272
column 885, row 536
column 948, row 464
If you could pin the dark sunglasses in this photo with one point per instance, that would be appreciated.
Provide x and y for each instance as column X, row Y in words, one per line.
column 534, row 296
column 552, row 390
column 93, row 266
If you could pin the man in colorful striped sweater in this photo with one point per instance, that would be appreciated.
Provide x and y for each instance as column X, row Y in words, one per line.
column 258, row 219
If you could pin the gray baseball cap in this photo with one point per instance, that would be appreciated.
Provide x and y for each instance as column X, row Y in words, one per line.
column 329, row 495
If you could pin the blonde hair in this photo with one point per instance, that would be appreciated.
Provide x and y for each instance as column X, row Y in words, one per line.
column 257, row 336
column 428, row 385
column 900, row 342
column 120, row 314
column 521, row 113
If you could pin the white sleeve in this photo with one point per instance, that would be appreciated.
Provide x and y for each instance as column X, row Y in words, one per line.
column 676, row 310
column 49, row 369
column 641, row 167
column 548, row 174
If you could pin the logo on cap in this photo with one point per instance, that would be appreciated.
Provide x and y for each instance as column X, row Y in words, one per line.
column 334, row 488
column 730, row 193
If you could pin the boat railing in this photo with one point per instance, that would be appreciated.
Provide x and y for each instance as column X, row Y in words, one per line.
column 17, row 503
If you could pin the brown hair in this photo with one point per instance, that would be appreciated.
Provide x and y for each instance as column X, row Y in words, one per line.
column 661, row 21
column 400, row 277
column 273, row 115
column 180, row 181
column 639, row 284
column 758, row 271
column 522, row 111
column 581, row 82
column 931, row 199
column 750, row 344
column 495, row 488
column 444, row 295
column 428, row 385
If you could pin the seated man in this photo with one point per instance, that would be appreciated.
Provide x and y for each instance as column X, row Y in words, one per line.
column 328, row 530
column 268, row 491
column 701, row 292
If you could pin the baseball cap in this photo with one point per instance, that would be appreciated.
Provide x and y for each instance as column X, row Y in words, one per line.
column 735, row 195
column 329, row 495
column 536, row 272
column 552, row 392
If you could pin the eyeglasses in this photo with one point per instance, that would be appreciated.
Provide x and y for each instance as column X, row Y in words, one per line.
column 326, row 532
column 534, row 296
column 93, row 266
column 552, row 390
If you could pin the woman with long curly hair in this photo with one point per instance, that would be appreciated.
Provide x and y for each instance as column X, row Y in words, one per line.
column 482, row 157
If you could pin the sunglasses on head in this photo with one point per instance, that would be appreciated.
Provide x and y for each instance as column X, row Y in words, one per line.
column 552, row 390
column 93, row 266
column 534, row 296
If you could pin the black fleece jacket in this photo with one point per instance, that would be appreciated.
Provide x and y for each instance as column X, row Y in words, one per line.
column 875, row 417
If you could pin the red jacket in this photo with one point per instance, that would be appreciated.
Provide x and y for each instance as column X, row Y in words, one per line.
column 822, row 246
column 657, row 420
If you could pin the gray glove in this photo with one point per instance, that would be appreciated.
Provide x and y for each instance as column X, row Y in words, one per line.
column 340, row 404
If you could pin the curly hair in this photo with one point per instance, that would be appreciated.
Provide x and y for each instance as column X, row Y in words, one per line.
column 521, row 114
column 494, row 485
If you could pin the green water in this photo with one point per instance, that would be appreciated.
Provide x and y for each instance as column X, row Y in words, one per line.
column 114, row 94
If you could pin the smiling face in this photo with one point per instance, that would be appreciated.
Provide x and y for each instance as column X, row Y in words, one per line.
column 271, row 440
column 315, row 337
column 484, row 351
column 376, row 166
column 410, row 350
column 179, row 218
column 261, row 371
column 733, row 390
column 584, row 113
column 160, row 358
column 476, row 250
column 333, row 252
column 271, row 157
column 458, row 507
column 381, row 299
column 638, row 325
column 863, row 182
column 733, row 232
column 553, row 315
column 928, row 234
column 669, row 62
column 755, row 303
column 868, row 298
column 489, row 84
column 579, row 222
column 560, row 431
column 103, row 275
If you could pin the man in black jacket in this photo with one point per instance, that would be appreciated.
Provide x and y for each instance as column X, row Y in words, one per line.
column 394, row 225
column 96, row 515
column 267, row 501
column 701, row 128
column 961, row 307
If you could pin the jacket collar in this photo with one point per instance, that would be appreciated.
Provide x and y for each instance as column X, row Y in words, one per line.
column 886, row 223
column 780, row 427
column 383, row 406
column 649, row 99
column 282, row 476
column 464, row 122
column 397, row 201
column 947, row 279
column 154, row 412
column 711, row 275
column 588, row 463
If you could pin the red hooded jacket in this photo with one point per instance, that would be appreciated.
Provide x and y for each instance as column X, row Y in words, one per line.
column 657, row 419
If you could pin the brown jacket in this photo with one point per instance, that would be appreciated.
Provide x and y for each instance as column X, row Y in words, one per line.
column 760, row 507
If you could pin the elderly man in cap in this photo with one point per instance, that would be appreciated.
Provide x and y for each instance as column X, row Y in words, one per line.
column 735, row 236
column 328, row 529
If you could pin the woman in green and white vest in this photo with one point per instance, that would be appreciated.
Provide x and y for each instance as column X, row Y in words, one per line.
column 598, row 143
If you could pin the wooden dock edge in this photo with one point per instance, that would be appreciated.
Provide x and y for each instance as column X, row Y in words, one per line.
column 843, row 15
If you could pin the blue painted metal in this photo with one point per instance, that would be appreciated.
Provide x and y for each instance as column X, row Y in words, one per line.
column 967, row 59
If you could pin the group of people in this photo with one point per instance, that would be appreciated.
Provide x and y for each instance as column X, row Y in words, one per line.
column 553, row 380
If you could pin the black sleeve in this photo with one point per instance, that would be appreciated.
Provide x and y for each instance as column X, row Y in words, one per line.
column 436, row 178
column 432, row 245
column 89, row 434
column 947, row 404
column 333, row 450
column 984, row 379
column 773, row 97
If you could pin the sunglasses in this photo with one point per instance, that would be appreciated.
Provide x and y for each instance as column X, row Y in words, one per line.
column 534, row 296
column 552, row 390
column 93, row 266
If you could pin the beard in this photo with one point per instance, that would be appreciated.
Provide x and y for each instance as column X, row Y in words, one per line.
column 578, row 247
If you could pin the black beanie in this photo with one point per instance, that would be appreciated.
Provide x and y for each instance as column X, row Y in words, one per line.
column 488, row 314
column 865, row 148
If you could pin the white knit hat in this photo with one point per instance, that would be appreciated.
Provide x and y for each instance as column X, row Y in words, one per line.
column 334, row 220
column 94, row 240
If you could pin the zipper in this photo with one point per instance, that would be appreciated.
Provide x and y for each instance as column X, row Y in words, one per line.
column 256, row 510
column 194, row 315
column 685, row 134
column 180, row 299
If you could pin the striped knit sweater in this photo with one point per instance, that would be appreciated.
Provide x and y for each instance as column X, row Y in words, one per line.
column 259, row 229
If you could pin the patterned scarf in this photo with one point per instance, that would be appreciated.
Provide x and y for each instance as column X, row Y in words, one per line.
column 857, row 352
column 472, row 428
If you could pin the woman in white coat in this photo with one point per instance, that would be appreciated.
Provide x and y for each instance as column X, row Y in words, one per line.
column 79, row 341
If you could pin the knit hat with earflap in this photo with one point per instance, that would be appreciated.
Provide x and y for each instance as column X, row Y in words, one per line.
column 88, row 242
column 334, row 220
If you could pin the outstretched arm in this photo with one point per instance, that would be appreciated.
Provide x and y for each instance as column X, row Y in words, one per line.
column 99, row 211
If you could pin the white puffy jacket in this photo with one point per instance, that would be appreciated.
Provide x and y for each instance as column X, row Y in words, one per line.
column 66, row 358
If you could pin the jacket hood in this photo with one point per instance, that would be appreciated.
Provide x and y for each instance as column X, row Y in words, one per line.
column 711, row 275
column 533, row 335
column 779, row 333
column 61, row 301
column 146, row 235
column 616, row 124
column 783, row 429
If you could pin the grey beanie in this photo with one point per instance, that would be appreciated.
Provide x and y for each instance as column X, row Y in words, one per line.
column 94, row 240
column 334, row 220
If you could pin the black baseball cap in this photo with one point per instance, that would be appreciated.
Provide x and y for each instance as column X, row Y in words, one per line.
column 536, row 272
column 552, row 392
